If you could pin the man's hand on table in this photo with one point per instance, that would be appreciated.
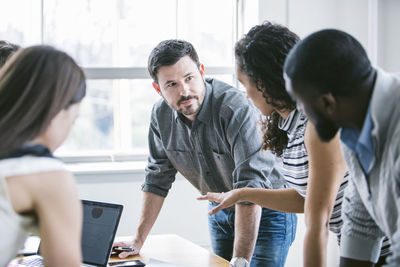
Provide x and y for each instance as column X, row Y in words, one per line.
column 136, row 246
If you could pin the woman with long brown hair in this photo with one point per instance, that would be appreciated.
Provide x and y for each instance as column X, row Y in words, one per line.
column 40, row 92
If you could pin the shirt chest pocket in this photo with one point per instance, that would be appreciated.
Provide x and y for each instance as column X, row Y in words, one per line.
column 224, row 164
column 182, row 162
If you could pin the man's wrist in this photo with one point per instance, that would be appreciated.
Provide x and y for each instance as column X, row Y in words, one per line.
column 138, row 241
column 239, row 262
column 241, row 194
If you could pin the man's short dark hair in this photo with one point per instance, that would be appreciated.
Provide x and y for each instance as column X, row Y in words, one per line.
column 6, row 50
column 169, row 52
column 329, row 61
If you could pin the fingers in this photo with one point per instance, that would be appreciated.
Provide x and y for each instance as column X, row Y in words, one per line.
column 121, row 244
column 216, row 209
column 204, row 197
column 125, row 254
column 211, row 197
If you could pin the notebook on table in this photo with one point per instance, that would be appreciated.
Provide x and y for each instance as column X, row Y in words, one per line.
column 100, row 223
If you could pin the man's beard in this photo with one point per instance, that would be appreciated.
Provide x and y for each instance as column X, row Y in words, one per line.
column 326, row 130
column 187, row 110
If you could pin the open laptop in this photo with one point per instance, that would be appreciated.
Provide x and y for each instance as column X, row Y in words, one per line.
column 100, row 223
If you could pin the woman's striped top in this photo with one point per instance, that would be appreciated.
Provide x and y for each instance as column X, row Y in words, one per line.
column 295, row 168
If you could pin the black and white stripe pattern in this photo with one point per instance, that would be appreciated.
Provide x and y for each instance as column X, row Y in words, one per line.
column 295, row 169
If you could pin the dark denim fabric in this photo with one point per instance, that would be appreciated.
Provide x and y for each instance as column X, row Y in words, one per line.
column 276, row 233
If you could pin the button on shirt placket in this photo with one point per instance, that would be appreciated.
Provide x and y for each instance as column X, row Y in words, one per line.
column 200, row 149
column 189, row 132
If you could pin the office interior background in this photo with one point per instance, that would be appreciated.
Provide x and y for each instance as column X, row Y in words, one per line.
column 111, row 40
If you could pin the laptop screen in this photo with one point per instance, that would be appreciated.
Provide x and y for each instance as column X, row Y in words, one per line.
column 100, row 223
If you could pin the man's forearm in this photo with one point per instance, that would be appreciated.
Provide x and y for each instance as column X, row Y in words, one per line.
column 151, row 206
column 247, row 222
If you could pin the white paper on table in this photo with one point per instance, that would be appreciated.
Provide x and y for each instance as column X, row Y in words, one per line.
column 157, row 263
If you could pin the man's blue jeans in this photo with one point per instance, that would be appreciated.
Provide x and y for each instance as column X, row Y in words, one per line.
column 276, row 233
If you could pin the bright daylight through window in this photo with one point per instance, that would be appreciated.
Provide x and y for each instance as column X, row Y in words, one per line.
column 111, row 40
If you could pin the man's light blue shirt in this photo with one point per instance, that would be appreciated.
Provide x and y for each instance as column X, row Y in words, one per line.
column 361, row 142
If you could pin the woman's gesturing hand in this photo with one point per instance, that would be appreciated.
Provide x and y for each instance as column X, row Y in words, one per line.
column 224, row 200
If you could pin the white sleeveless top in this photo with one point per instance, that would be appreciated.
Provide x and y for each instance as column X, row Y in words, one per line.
column 14, row 228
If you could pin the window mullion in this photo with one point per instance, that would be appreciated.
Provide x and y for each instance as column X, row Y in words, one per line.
column 125, row 117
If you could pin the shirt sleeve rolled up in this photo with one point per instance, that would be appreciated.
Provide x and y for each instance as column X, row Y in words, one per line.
column 159, row 173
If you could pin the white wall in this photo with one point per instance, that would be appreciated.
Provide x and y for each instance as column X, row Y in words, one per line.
column 306, row 16
column 373, row 22
column 389, row 35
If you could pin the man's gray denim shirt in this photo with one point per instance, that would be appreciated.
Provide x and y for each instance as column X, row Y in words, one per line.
column 220, row 151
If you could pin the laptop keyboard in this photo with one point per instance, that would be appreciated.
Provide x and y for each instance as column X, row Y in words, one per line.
column 35, row 261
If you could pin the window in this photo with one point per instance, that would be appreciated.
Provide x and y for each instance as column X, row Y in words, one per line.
column 111, row 40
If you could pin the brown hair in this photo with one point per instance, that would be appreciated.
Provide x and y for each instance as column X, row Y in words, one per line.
column 167, row 53
column 6, row 51
column 36, row 84
column 260, row 54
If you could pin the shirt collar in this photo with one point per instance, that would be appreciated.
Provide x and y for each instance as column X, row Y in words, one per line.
column 38, row 150
column 361, row 142
column 365, row 135
column 289, row 124
column 353, row 138
column 206, row 108
column 383, row 96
